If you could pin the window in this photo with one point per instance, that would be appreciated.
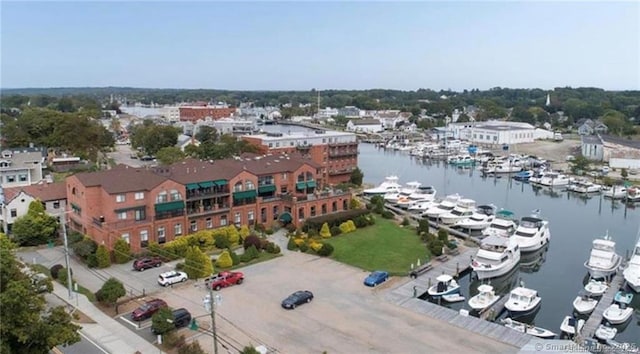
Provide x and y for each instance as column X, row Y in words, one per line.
column 237, row 218
column 301, row 213
column 162, row 197
column 161, row 235
column 177, row 229
column 284, row 176
column 251, row 217
column 11, row 178
column 249, row 185
column 209, row 223
column 270, row 145
column 313, row 211
column 495, row 138
column 120, row 198
column 126, row 238
column 275, row 212
column 283, row 189
column 140, row 214
column 139, row 195
column 14, row 213
column 223, row 220
column 237, row 187
column 193, row 226
column 22, row 178
column 56, row 204
column 122, row 215
column 175, row 195
column 144, row 238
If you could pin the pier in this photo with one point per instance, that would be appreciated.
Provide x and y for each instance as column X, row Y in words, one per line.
column 595, row 318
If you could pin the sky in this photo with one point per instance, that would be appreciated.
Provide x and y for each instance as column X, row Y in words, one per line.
column 324, row 45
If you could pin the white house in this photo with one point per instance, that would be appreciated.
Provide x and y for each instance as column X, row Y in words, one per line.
column 17, row 199
column 592, row 147
column 365, row 126
column 185, row 140
column 20, row 168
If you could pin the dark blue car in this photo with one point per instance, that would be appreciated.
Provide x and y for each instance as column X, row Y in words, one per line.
column 375, row 278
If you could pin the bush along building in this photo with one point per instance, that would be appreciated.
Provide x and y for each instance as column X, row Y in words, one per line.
column 143, row 205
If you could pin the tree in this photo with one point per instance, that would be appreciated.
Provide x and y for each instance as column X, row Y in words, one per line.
column 110, row 292
column 191, row 348
column 27, row 326
column 249, row 350
column 36, row 227
column 169, row 155
column 162, row 321
column 234, row 257
column 615, row 121
column 103, row 257
column 623, row 173
column 580, row 163
column 325, row 232
column 356, row 176
column 207, row 134
column 121, row 251
column 235, row 237
column 463, row 118
column 153, row 137
column 224, row 260
column 197, row 264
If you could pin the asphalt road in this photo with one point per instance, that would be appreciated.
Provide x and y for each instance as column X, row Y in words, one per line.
column 84, row 346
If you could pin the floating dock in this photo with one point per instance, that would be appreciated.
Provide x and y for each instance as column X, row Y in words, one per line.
column 595, row 318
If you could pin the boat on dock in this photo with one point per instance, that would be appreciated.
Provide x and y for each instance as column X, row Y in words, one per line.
column 632, row 271
column 617, row 313
column 623, row 297
column 485, row 298
column 604, row 332
column 552, row 179
column 528, row 329
column 481, row 218
column 584, row 303
column 389, row 185
column 614, row 192
column 522, row 301
column 603, row 260
column 457, row 297
column 524, row 176
column 495, row 257
column 584, row 186
column 445, row 206
column 532, row 233
column 503, row 225
column 571, row 325
column 445, row 285
column 403, row 193
column 596, row 287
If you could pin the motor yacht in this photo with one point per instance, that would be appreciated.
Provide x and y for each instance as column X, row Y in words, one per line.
column 633, row 194
column 603, row 260
column 532, row 233
column 614, row 192
column 422, row 194
column 403, row 193
column 485, row 298
column 445, row 285
column 632, row 272
column 552, row 179
column 524, row 176
column 421, row 206
column 463, row 210
column 389, row 185
column 496, row 256
column 522, row 301
column 504, row 225
column 584, row 186
column 617, row 313
column 528, row 329
column 481, row 218
column 445, row 206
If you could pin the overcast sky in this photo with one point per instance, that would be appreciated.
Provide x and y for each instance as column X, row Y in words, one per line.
column 349, row 45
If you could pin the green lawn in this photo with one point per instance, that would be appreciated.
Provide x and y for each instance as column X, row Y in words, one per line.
column 383, row 246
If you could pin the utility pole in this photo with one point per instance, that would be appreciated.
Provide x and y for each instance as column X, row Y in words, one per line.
column 211, row 303
column 66, row 253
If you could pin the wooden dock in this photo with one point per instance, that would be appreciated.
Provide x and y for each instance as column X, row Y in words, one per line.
column 595, row 318
column 494, row 310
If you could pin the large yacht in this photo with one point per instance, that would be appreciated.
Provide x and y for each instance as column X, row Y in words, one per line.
column 532, row 233
column 389, row 185
column 603, row 260
column 445, row 206
column 481, row 218
column 404, row 192
column 421, row 194
column 463, row 210
column 504, row 224
column 495, row 257
column 632, row 272
column 552, row 179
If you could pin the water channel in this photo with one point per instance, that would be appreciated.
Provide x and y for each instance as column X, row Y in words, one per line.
column 557, row 272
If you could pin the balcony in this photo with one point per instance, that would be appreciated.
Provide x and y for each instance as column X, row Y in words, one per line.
column 343, row 153
column 203, row 193
column 351, row 143
column 208, row 210
column 169, row 209
column 342, row 171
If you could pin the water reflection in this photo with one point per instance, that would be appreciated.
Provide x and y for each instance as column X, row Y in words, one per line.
column 531, row 262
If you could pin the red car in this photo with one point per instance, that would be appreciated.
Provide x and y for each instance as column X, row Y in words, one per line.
column 146, row 263
column 147, row 309
column 224, row 279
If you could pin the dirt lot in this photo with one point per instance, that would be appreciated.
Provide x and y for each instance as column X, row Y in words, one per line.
column 555, row 152
column 344, row 317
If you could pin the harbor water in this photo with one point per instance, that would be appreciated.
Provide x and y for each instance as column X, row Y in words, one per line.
column 557, row 272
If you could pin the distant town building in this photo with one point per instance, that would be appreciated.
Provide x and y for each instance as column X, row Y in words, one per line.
column 201, row 111
column 365, row 126
column 590, row 127
column 186, row 140
column 21, row 167
column 336, row 152
column 494, row 132
column 349, row 112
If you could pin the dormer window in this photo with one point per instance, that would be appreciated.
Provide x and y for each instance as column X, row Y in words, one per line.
column 4, row 163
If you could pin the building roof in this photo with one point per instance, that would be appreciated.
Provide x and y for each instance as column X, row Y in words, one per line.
column 23, row 159
column 45, row 192
column 121, row 179
column 591, row 139
column 299, row 135
column 365, row 122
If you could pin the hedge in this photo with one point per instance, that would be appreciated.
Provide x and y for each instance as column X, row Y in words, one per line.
column 334, row 219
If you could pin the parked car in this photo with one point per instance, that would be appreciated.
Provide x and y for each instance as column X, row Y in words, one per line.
column 147, row 309
column 224, row 279
column 298, row 298
column 376, row 278
column 172, row 277
column 181, row 318
column 141, row 264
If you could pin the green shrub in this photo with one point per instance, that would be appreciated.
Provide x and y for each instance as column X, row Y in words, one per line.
column 191, row 348
column 435, row 247
column 325, row 231
column 304, row 247
column 74, row 237
column 423, row 226
column 276, row 249
column 234, row 257
column 84, row 248
column 241, row 235
column 452, row 245
column 270, row 247
column 333, row 219
column 335, row 231
column 224, row 260
column 313, row 233
column 222, row 241
column 291, row 228
column 443, row 235
column 55, row 270
column 361, row 221
column 63, row 276
column 291, row 245
column 180, row 266
column 103, row 257
column 352, row 225
column 253, row 252
column 387, row 214
column 121, row 251
column 405, row 221
column 92, row 261
column 269, row 231
column 325, row 250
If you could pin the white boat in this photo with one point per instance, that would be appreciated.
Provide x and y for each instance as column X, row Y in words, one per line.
column 495, row 257
column 632, row 272
column 503, row 225
column 421, row 206
column 528, row 329
column 481, row 218
column 552, row 179
column 522, row 301
column 425, row 193
column 604, row 332
column 453, row 297
column 389, row 185
column 445, row 285
column 584, row 304
column 614, row 192
column 484, row 299
column 403, row 193
column 584, row 186
column 633, row 194
column 596, row 288
column 463, row 210
column 617, row 314
column 532, row 233
column 570, row 325
column 603, row 260
column 445, row 206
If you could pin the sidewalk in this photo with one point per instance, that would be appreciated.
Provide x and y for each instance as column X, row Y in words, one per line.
column 107, row 332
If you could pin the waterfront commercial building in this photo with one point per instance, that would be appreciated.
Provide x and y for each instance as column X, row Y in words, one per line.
column 194, row 113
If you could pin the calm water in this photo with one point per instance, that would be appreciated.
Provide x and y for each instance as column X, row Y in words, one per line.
column 558, row 272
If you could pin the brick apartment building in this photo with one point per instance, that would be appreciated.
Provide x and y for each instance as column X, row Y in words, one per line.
column 157, row 205
column 336, row 152
column 195, row 113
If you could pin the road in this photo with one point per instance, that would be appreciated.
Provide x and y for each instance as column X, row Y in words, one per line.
column 122, row 155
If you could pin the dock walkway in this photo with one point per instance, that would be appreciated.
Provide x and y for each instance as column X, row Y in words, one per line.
column 595, row 318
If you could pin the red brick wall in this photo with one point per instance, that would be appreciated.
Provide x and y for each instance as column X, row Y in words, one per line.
column 196, row 113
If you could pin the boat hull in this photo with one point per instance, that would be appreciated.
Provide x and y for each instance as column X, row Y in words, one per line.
column 632, row 276
column 600, row 273
column 617, row 316
column 516, row 311
column 479, row 305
